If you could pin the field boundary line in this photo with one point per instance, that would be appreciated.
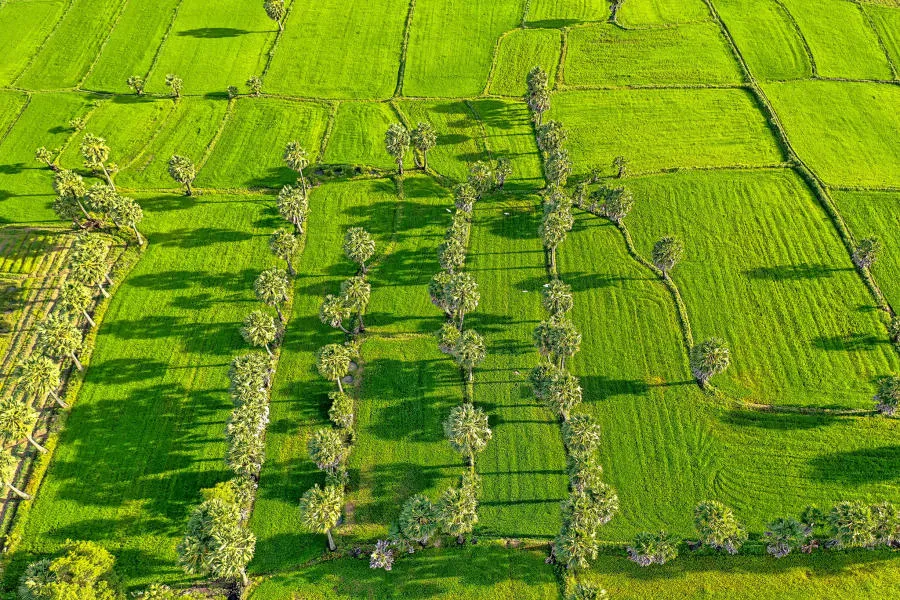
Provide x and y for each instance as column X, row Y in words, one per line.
column 329, row 129
column 814, row 68
column 87, row 119
column 278, row 34
column 162, row 42
column 526, row 8
column 38, row 50
column 560, row 81
column 156, row 133
column 860, row 188
column 404, row 46
column 229, row 110
column 102, row 47
column 881, row 43
column 496, row 54
column 18, row 116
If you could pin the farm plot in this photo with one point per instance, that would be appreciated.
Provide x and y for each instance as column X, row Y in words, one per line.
column 876, row 214
column 11, row 105
column 146, row 433
column 357, row 136
column 214, row 45
column 560, row 13
column 519, row 51
column 508, row 132
column 765, row 271
column 636, row 13
column 187, row 130
column 451, row 45
column 886, row 20
column 664, row 129
column 842, row 42
column 336, row 49
column 846, row 132
column 249, row 152
column 66, row 56
column 26, row 187
column 132, row 45
column 26, row 24
column 767, row 37
column 606, row 54
column 523, row 467
column 459, row 138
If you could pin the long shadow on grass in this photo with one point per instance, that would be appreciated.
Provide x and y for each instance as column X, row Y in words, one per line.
column 796, row 272
column 775, row 421
column 215, row 32
column 859, row 467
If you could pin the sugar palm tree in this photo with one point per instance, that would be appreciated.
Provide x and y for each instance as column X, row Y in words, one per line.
column 355, row 293
column 469, row 352
column 462, row 296
column 423, row 139
column 58, row 337
column 666, row 254
column 296, row 159
column 285, row 246
column 333, row 362
column 467, row 431
column 95, row 153
column 17, row 422
column 293, row 205
column 709, row 358
column 259, row 329
column 74, row 297
column 183, row 171
column 359, row 246
column 9, row 464
column 275, row 10
column 397, row 141
column 320, row 510
column 327, row 449
column 272, row 287
column 39, row 376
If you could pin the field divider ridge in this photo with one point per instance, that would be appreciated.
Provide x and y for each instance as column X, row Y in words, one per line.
column 112, row 29
column 404, row 47
column 278, row 34
column 18, row 116
column 894, row 72
column 162, row 41
column 37, row 50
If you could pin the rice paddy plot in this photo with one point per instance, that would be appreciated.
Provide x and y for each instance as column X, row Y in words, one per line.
column 521, row 50
column 846, row 132
column 886, row 20
column 335, row 49
column 451, row 45
column 636, row 13
column 485, row 571
column 664, row 129
column 509, row 134
column 876, row 214
column 357, row 136
column 842, row 42
column 26, row 187
column 214, row 45
column 187, row 131
column 132, row 45
column 459, row 138
column 250, row 151
column 765, row 270
column 299, row 402
column 561, row 13
column 66, row 56
column 26, row 24
column 606, row 54
column 11, row 105
column 767, row 38
column 151, row 412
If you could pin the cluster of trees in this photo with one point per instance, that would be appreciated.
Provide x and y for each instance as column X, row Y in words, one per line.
column 538, row 94
column 398, row 139
column 557, row 339
column 173, row 82
column 350, row 305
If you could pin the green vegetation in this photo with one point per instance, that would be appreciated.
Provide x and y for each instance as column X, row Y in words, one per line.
column 639, row 13
column 519, row 51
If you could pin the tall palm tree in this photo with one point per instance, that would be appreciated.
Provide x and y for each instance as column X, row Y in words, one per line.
column 397, row 141
column 462, row 296
column 95, row 153
column 9, row 464
column 17, row 422
column 320, row 510
column 74, row 297
column 296, row 158
column 467, row 431
column 39, row 376
column 272, row 287
column 333, row 362
column 58, row 337
column 355, row 293
column 259, row 329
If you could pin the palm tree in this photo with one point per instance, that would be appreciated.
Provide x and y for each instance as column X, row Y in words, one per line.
column 653, row 548
column 69, row 187
column 359, row 246
column 481, row 177
column 88, row 264
column 293, row 205
column 558, row 167
column 709, row 358
column 457, row 510
column 285, row 246
column 718, row 527
column 275, row 10
column 259, row 329
column 620, row 164
column 462, row 296
column 58, row 337
column 539, row 103
column 272, row 287
column 423, row 139
column 851, row 525
column 418, row 519
column 666, row 254
column 784, row 535
column 888, row 396
column 320, row 510
column 182, row 170
column 45, row 156
column 9, row 464
column 127, row 211
column 553, row 231
column 355, row 293
column 39, row 376
column 467, row 431
column 333, row 362
column 617, row 204
column 557, row 339
column 581, row 436
column 551, row 136
column 327, row 449
column 397, row 141
column 95, row 153
column 217, row 543
column 296, row 159
column 558, row 299
column 867, row 252
column 175, row 83
column 17, row 422
column 469, row 352
column 536, row 80
column 333, row 311
column 563, row 394
column 136, row 83
column 74, row 297
column 502, row 171
column 465, row 197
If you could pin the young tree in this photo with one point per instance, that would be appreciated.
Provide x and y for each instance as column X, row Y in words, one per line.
column 17, row 422
column 885, row 524
column 382, row 556
column 557, row 299
column 620, row 164
column 397, row 141
column 275, row 10
column 9, row 464
column 95, row 153
column 285, row 246
column 419, row 519
column 888, row 396
column 469, row 352
column 867, row 252
column 272, row 287
column 174, row 83
column 333, row 362
column 48, row 158
column 327, row 449
column 75, row 298
column 784, row 535
column 320, row 510
column 296, row 158
column 666, row 254
column 423, row 139
column 461, row 295
column 83, row 572
column 467, row 431
column 359, row 246
column 653, row 548
column 136, row 83
column 255, row 86
column 39, row 376
column 851, row 525
column 58, row 338
column 182, row 170
column 293, row 205
column 217, row 542
column 709, row 358
column 341, row 411
column 334, row 311
column 457, row 508
column 587, row 591
column 355, row 293
column 502, row 171
column 259, row 329
column 718, row 527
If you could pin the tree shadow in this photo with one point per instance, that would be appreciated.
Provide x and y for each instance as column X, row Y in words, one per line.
column 796, row 272
column 851, row 342
column 859, row 467
column 215, row 32
column 776, row 421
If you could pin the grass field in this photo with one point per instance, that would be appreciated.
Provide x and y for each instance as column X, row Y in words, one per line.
column 519, row 52
column 458, row 135
column 609, row 55
column 662, row 12
column 560, row 13
column 26, row 24
column 358, row 132
column 887, row 24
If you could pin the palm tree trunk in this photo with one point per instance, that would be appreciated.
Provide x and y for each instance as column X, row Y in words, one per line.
column 244, row 579
column 34, row 443
column 362, row 325
column 290, row 269
column 462, row 316
column 58, row 399
column 400, row 166
column 425, row 160
column 188, row 188
column 280, row 315
column 81, row 206
column 88, row 317
column 108, row 178
column 18, row 492
column 138, row 234
column 268, row 350
column 471, row 375
column 103, row 291
column 331, row 544
column 108, row 279
column 340, row 385
column 280, row 25
column 76, row 361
